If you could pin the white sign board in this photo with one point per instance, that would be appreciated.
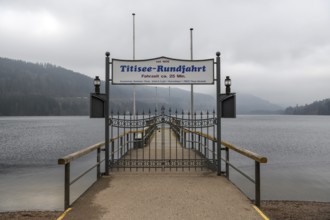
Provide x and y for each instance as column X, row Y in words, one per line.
column 162, row 70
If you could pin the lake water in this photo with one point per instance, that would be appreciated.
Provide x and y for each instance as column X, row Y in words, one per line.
column 297, row 147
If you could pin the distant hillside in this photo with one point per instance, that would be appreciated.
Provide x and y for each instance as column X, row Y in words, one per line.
column 41, row 89
column 250, row 104
column 46, row 89
column 146, row 98
column 316, row 108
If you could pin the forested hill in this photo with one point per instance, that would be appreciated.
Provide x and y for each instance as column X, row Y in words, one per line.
column 41, row 89
column 316, row 108
column 28, row 89
column 45, row 89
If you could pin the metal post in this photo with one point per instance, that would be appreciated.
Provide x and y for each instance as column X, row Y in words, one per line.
column 169, row 97
column 156, row 101
column 191, row 57
column 134, row 99
column 218, row 113
column 112, row 151
column 107, row 101
column 257, row 183
column 133, row 36
column 67, row 186
column 98, row 159
column 227, row 162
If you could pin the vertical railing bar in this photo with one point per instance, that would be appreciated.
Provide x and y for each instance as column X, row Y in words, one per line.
column 112, row 144
column 183, row 135
column 227, row 163
column 195, row 139
column 156, row 142
column 200, row 138
column 119, row 145
column 130, row 142
column 170, row 163
column 67, row 186
column 162, row 142
column 206, row 140
column 98, row 159
column 112, row 150
column 213, row 152
column 257, row 183
column 149, row 136
column 176, row 140
column 125, row 142
column 189, row 140
column 143, row 140
column 136, row 119
column 213, row 141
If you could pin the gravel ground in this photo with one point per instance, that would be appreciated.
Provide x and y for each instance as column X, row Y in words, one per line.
column 29, row 215
column 296, row 210
column 273, row 209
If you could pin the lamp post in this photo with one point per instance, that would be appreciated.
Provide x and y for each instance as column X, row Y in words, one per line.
column 97, row 83
column 227, row 84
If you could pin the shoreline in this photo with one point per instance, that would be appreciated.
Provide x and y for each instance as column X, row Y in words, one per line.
column 273, row 209
column 286, row 209
column 29, row 215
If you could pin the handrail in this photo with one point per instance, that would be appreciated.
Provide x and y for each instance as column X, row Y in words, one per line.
column 66, row 161
column 73, row 156
column 247, row 153
column 201, row 134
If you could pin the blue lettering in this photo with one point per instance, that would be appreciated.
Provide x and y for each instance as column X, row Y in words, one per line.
column 122, row 68
column 160, row 68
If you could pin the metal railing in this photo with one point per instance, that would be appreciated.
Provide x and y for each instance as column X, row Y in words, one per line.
column 198, row 140
column 120, row 145
column 202, row 143
column 249, row 154
column 66, row 161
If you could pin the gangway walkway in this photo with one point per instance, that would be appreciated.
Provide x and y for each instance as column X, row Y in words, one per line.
column 163, row 195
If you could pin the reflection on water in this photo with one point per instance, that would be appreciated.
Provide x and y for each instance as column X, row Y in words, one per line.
column 297, row 147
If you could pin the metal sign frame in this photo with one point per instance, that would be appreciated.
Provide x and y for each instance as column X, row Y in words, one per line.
column 162, row 71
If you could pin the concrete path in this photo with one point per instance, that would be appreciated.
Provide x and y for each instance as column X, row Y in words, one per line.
column 137, row 195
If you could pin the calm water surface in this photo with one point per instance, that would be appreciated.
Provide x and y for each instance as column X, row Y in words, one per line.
column 298, row 151
column 297, row 147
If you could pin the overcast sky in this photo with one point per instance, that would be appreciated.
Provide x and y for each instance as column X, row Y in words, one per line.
column 278, row 50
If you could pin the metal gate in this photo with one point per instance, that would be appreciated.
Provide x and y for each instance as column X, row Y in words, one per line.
column 162, row 141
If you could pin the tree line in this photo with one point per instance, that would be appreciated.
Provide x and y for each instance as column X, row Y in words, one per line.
column 316, row 108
